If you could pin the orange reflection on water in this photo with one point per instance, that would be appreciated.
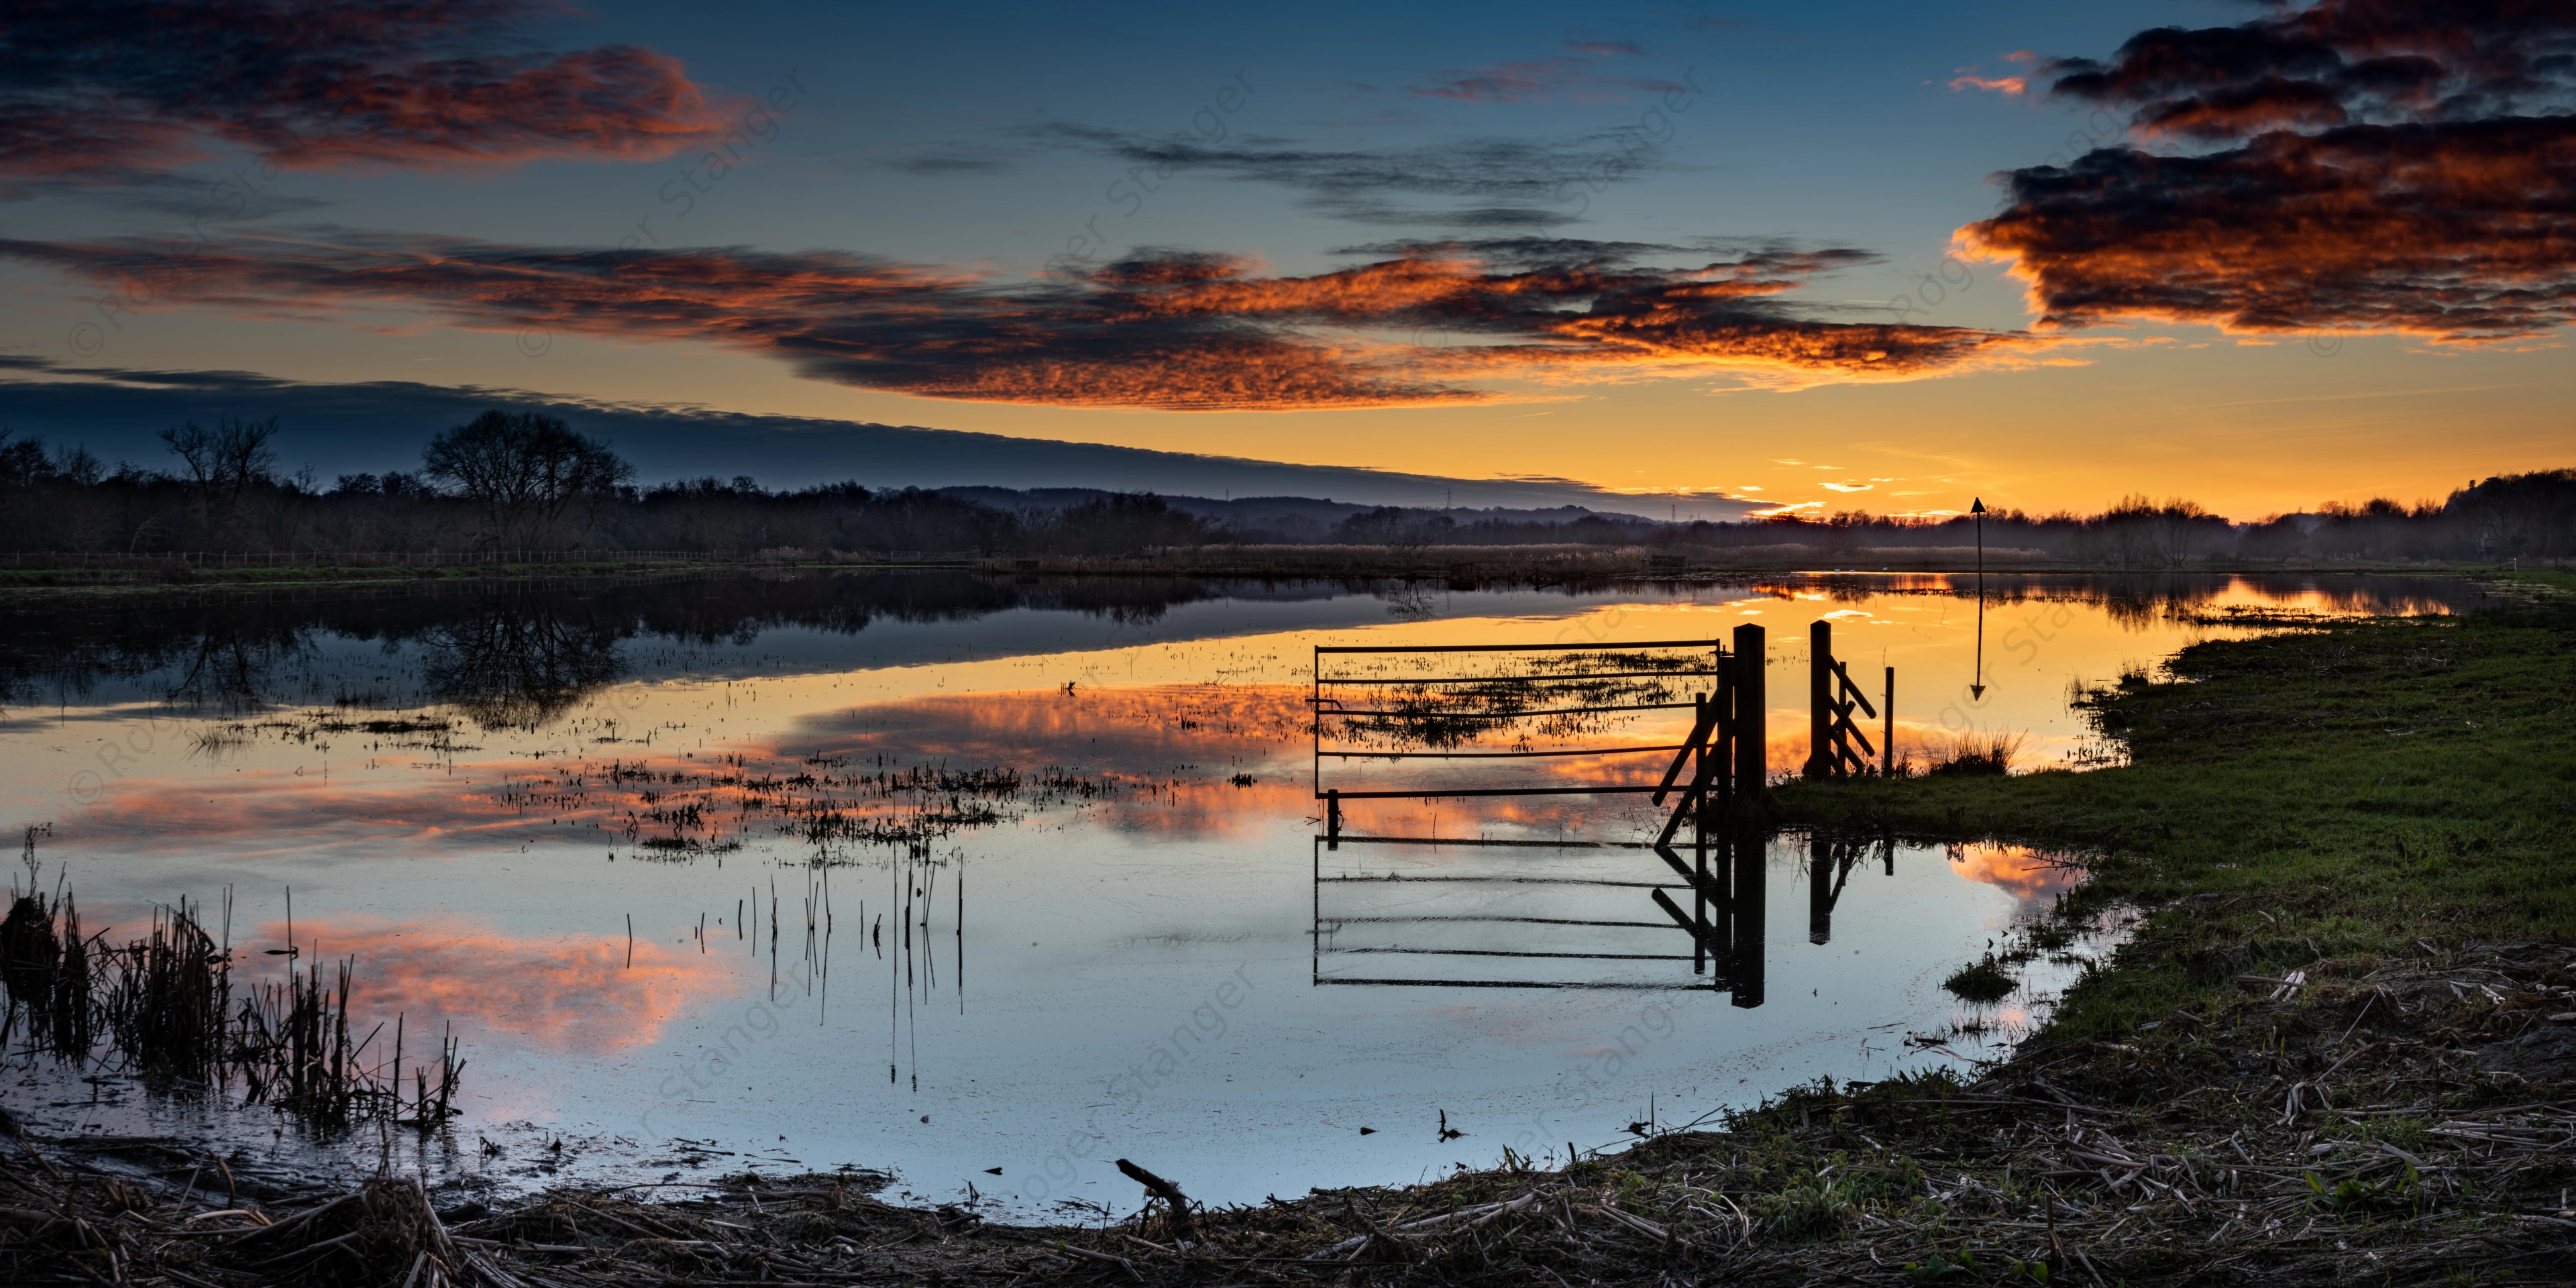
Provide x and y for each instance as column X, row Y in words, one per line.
column 1145, row 731
column 1198, row 760
column 574, row 995
column 2025, row 872
column 1182, row 744
column 277, row 811
column 1166, row 759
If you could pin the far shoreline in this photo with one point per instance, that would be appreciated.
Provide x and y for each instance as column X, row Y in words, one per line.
column 1536, row 566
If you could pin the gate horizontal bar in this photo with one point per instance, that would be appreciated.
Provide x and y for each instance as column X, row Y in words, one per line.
column 1516, row 983
column 1496, row 755
column 1348, row 839
column 1535, row 921
column 1504, row 952
column 1434, row 793
column 1522, row 679
column 1516, row 648
column 1585, row 881
column 1517, row 715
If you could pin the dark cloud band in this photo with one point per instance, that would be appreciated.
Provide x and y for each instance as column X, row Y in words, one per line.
column 95, row 88
column 1499, row 182
column 1587, row 72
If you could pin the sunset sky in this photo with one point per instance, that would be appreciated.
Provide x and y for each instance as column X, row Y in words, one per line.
column 1836, row 255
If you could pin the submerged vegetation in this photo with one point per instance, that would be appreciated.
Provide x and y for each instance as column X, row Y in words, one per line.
column 825, row 801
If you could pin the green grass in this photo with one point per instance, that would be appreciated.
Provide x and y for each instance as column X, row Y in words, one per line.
column 2349, row 790
column 2542, row 577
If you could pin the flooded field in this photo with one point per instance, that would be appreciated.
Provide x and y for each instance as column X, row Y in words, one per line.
column 985, row 883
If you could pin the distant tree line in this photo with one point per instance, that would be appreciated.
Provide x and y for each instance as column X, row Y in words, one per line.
column 2510, row 516
column 519, row 481
column 513, row 481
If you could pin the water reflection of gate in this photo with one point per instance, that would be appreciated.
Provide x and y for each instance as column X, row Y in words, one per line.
column 1529, row 914
column 1830, row 861
column 1394, row 910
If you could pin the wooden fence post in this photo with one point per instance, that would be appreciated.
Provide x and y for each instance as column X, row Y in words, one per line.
column 1887, row 738
column 1820, row 697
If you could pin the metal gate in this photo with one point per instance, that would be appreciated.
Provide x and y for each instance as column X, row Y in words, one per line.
column 1504, row 720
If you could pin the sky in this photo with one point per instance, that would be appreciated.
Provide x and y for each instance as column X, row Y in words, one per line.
column 1722, row 257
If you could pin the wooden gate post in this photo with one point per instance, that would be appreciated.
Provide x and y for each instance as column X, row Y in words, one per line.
column 1752, row 739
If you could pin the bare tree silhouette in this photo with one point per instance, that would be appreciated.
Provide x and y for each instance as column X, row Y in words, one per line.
column 525, row 472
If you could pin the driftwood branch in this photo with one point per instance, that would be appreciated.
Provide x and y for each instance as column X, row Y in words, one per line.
column 1169, row 1193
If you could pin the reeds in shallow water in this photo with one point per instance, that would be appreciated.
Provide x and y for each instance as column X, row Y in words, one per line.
column 166, row 998
column 164, row 1006
column 46, row 964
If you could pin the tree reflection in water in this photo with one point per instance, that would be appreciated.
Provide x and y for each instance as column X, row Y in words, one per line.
column 511, row 655
column 522, row 660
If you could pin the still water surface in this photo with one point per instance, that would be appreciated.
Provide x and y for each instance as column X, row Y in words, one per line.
column 987, row 883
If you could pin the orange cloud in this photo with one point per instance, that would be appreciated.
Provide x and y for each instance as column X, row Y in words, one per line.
column 2000, row 84
column 1168, row 330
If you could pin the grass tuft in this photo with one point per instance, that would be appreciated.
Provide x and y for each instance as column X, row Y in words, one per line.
column 1978, row 755
column 1984, row 981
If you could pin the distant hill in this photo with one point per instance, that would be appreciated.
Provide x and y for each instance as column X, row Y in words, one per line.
column 375, row 426
column 1270, row 511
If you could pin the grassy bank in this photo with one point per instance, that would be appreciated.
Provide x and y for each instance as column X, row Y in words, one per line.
column 2332, row 1053
column 2350, row 790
